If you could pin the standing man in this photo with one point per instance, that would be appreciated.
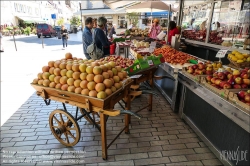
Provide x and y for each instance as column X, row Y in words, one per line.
column 87, row 36
column 64, row 34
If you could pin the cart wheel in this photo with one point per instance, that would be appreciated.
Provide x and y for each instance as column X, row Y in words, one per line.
column 64, row 127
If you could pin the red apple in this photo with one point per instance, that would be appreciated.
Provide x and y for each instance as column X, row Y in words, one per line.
column 221, row 75
column 231, row 81
column 235, row 77
column 201, row 66
column 229, row 75
column 213, row 80
column 209, row 68
column 247, row 98
column 244, row 86
column 241, row 94
column 218, row 81
column 238, row 80
column 190, row 70
column 215, row 75
column 222, row 83
column 245, row 75
column 208, row 72
column 237, row 86
column 226, row 72
column 227, row 86
column 209, row 78
column 246, row 81
column 195, row 67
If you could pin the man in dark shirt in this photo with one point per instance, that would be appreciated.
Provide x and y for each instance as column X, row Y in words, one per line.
column 101, row 39
column 87, row 36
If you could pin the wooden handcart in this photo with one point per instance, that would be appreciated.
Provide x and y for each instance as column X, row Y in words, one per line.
column 65, row 127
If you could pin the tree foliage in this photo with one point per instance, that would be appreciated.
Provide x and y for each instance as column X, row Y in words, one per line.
column 134, row 18
column 60, row 21
column 75, row 21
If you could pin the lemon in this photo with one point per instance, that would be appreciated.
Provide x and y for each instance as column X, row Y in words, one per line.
column 248, row 59
column 239, row 56
column 234, row 52
column 218, row 65
column 234, row 58
column 230, row 55
column 239, row 61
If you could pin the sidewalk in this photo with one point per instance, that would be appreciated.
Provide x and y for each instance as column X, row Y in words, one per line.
column 159, row 138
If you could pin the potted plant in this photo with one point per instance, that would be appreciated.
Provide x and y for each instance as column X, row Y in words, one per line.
column 75, row 21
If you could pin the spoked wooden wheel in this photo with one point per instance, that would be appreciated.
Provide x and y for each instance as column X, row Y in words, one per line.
column 64, row 127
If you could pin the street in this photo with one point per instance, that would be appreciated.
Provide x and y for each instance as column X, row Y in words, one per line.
column 19, row 68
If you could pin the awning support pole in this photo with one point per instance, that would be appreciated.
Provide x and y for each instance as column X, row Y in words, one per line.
column 14, row 40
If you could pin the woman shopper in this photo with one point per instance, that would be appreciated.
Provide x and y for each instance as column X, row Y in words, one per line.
column 64, row 34
column 101, row 39
column 155, row 29
column 112, row 31
column 173, row 30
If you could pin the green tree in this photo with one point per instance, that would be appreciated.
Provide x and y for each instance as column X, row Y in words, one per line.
column 134, row 18
column 75, row 21
column 60, row 21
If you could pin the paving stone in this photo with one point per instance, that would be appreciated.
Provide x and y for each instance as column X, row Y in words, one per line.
column 17, row 139
column 142, row 144
column 202, row 156
column 151, row 161
column 159, row 142
column 145, row 134
column 202, row 144
column 131, row 156
column 154, row 154
column 7, row 144
column 192, row 145
column 98, row 159
column 128, row 145
column 28, row 134
column 172, row 147
column 142, row 139
column 24, row 143
column 201, row 150
column 27, row 130
column 6, row 140
column 187, row 140
column 146, row 149
column 186, row 135
column 175, row 159
column 12, row 135
column 212, row 162
column 184, row 131
column 178, row 152
column 191, row 163
column 168, row 137
column 115, row 152
column 116, row 163
column 173, row 132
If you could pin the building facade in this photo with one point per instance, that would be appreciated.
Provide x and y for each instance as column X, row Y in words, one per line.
column 12, row 12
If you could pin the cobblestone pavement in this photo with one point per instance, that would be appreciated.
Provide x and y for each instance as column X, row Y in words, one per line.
column 159, row 138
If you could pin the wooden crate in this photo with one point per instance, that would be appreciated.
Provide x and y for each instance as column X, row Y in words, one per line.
column 221, row 92
column 232, row 97
column 107, row 103
column 196, row 78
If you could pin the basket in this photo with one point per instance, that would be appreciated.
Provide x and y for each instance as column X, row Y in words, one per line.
column 239, row 65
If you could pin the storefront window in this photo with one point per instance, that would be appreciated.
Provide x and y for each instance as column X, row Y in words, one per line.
column 122, row 23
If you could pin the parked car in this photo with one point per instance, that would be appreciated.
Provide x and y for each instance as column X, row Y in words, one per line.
column 45, row 30
column 58, row 31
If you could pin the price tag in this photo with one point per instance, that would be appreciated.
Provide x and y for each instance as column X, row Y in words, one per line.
column 152, row 47
column 136, row 76
column 221, row 53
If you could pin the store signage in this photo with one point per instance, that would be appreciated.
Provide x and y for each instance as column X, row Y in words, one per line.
column 21, row 8
column 53, row 16
column 221, row 53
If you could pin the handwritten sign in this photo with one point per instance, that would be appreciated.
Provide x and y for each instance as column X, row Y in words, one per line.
column 221, row 53
column 152, row 47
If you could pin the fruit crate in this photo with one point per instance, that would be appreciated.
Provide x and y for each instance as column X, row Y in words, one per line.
column 232, row 97
column 239, row 65
column 224, row 93
column 74, row 99
column 196, row 78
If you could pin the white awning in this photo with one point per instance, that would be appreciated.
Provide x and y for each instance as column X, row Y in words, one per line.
column 31, row 19
column 119, row 3
column 92, row 12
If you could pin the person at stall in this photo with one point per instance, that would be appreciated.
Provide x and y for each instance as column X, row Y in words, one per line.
column 101, row 39
column 112, row 31
column 155, row 29
column 94, row 24
column 191, row 24
column 173, row 30
column 87, row 35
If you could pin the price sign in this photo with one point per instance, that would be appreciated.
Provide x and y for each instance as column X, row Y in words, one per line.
column 152, row 47
column 221, row 53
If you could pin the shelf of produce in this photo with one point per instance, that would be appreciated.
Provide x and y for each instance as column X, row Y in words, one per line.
column 220, row 123
column 218, row 47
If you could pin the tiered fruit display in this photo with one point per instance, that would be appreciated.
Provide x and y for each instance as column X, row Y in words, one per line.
column 206, row 68
column 120, row 61
column 87, row 77
column 239, row 57
column 244, row 96
column 230, row 80
column 173, row 56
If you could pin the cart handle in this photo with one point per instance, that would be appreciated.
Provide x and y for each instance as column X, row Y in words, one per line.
column 161, row 77
column 130, row 113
